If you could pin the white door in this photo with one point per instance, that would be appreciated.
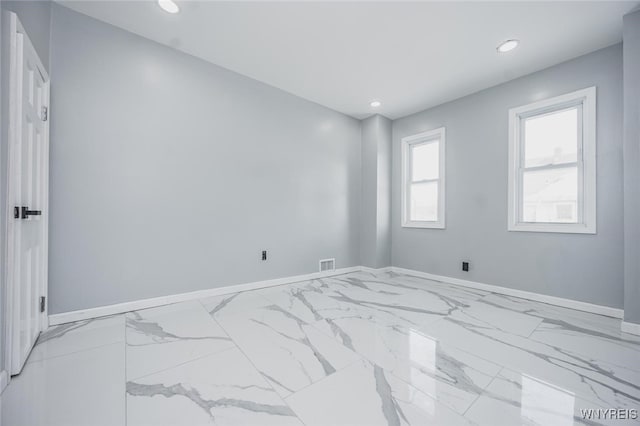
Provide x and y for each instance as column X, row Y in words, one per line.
column 27, row 196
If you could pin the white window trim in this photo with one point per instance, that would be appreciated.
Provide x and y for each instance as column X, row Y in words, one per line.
column 407, row 142
column 586, row 168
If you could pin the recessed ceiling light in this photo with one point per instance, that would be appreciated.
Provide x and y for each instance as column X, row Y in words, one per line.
column 375, row 104
column 506, row 46
column 169, row 6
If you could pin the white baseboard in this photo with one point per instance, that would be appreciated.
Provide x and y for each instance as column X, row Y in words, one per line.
column 4, row 380
column 551, row 300
column 375, row 270
column 630, row 327
column 135, row 305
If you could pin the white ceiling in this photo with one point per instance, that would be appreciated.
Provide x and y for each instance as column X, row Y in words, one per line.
column 343, row 55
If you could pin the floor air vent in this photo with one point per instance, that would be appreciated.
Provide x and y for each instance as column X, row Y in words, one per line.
column 327, row 265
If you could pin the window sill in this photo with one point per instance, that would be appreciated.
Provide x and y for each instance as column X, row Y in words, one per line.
column 564, row 228
column 424, row 225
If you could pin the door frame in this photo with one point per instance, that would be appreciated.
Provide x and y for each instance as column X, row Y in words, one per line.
column 14, row 27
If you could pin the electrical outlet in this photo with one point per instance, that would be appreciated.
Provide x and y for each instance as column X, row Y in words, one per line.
column 264, row 255
column 465, row 266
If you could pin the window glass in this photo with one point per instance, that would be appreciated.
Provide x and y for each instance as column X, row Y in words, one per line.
column 551, row 138
column 550, row 195
column 424, row 201
column 425, row 159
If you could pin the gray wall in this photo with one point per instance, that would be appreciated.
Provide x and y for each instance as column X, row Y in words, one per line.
column 170, row 174
column 368, row 218
column 581, row 267
column 375, row 221
column 35, row 16
column 631, row 43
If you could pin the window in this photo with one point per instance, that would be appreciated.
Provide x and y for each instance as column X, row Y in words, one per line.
column 552, row 164
column 423, row 180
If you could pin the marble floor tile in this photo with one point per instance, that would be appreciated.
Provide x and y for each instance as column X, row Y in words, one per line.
column 616, row 358
column 219, row 389
column 306, row 300
column 365, row 394
column 410, row 306
column 163, row 337
column 453, row 377
column 78, row 336
column 561, row 317
column 519, row 399
column 459, row 293
column 591, row 378
column 236, row 303
column 482, row 314
column 623, row 350
column 311, row 301
column 83, row 388
column 363, row 348
column 288, row 352
column 360, row 294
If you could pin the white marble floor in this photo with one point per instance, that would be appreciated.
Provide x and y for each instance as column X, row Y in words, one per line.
column 355, row 349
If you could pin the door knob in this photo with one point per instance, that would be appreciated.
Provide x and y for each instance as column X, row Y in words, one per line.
column 24, row 212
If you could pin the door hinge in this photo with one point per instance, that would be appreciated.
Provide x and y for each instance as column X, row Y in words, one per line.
column 45, row 113
column 43, row 300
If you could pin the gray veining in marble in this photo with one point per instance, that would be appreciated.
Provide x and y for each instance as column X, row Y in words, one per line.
column 59, row 331
column 157, row 334
column 137, row 389
column 391, row 410
column 224, row 302
column 326, row 365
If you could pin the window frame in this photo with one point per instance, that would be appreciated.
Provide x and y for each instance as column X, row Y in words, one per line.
column 408, row 142
column 585, row 100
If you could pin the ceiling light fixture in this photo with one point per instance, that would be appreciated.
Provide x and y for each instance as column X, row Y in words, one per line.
column 507, row 46
column 375, row 104
column 169, row 6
